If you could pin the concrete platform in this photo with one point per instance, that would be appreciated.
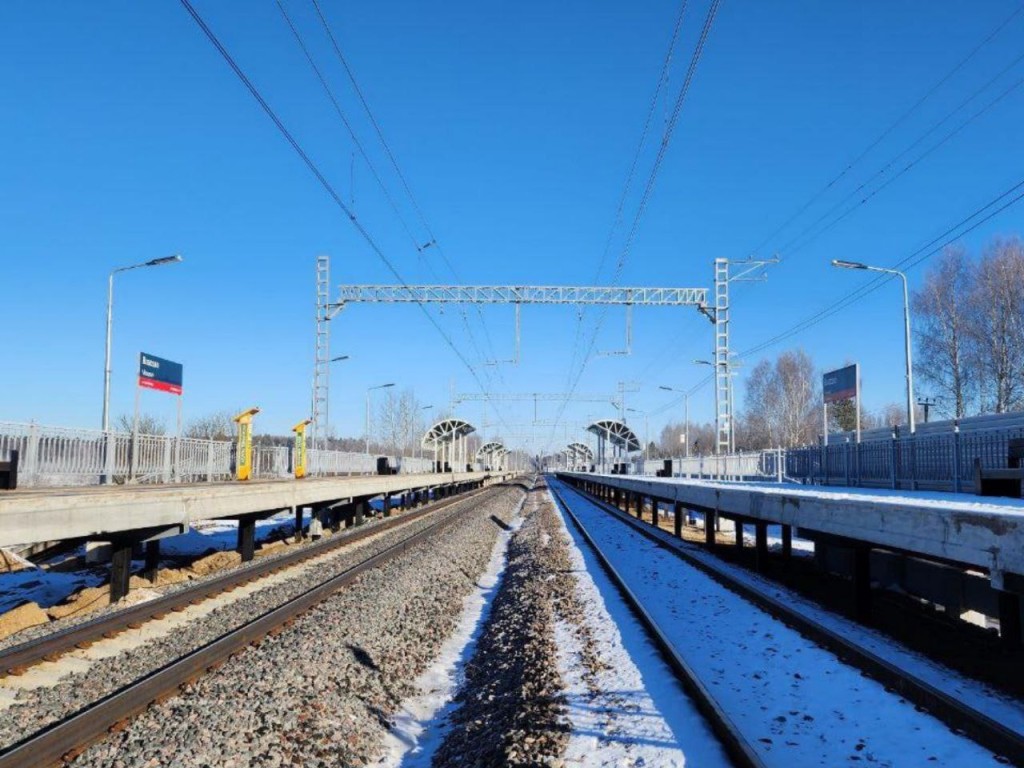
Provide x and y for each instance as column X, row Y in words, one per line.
column 982, row 533
column 55, row 514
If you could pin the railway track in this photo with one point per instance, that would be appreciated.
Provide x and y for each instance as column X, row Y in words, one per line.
column 1006, row 743
column 15, row 660
column 63, row 740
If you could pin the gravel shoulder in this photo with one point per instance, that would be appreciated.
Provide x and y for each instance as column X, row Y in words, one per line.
column 321, row 692
column 83, row 676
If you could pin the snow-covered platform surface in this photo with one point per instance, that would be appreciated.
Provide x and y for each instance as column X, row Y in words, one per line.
column 981, row 532
column 796, row 703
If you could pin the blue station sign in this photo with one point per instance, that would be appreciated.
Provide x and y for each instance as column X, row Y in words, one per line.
column 840, row 384
column 157, row 373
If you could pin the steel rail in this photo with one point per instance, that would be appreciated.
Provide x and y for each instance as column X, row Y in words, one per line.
column 733, row 740
column 18, row 658
column 67, row 738
column 1005, row 742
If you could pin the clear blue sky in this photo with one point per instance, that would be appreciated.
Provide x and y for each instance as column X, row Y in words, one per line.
column 126, row 137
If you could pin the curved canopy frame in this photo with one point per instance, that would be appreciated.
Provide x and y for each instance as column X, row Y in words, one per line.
column 446, row 431
column 582, row 450
column 490, row 449
column 616, row 433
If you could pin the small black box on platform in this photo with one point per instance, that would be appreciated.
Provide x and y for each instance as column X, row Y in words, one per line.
column 9, row 472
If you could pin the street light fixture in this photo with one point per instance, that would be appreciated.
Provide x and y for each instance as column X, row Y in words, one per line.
column 686, row 417
column 110, row 323
column 368, row 391
column 906, row 327
column 338, row 359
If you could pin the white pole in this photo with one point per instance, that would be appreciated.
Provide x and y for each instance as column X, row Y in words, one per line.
column 106, row 364
column 910, row 368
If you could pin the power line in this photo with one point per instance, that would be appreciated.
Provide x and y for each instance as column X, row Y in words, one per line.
column 888, row 130
column 808, row 235
column 1014, row 193
column 617, row 219
column 649, row 186
column 433, row 241
column 320, row 177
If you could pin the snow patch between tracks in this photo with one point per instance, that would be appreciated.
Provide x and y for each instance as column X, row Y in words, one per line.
column 420, row 724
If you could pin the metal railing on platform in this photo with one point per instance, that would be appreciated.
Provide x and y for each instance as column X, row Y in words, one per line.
column 939, row 457
column 60, row 456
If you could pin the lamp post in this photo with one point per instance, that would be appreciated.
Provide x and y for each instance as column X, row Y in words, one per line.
column 110, row 322
column 368, row 391
column 686, row 418
column 424, row 408
column 906, row 328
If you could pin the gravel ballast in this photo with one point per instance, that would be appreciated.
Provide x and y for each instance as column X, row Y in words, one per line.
column 510, row 710
column 38, row 707
column 320, row 693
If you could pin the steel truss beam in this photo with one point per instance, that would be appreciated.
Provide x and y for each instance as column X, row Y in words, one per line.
column 523, row 294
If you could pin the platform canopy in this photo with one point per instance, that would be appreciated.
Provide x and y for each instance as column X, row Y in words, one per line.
column 446, row 431
column 617, row 433
column 492, row 448
column 581, row 449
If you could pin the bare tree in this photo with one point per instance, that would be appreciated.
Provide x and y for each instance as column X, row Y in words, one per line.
column 148, row 424
column 701, row 439
column 943, row 315
column 892, row 415
column 400, row 422
column 218, row 425
column 997, row 304
column 782, row 402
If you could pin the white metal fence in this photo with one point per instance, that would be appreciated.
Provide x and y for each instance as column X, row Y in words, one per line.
column 59, row 456
column 940, row 456
column 756, row 465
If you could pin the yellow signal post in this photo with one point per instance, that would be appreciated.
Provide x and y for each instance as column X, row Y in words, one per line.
column 299, row 454
column 243, row 454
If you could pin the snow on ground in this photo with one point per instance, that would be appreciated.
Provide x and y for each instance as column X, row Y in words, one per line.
column 46, row 588
column 206, row 535
column 640, row 716
column 998, row 706
column 420, row 724
column 797, row 703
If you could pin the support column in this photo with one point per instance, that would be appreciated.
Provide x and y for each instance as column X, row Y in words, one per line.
column 246, row 538
column 761, row 550
column 862, row 582
column 787, row 542
column 1009, row 620
column 739, row 534
column 298, row 522
column 709, row 529
column 654, row 511
column 677, row 514
column 387, row 505
column 360, row 512
column 152, row 560
column 120, row 569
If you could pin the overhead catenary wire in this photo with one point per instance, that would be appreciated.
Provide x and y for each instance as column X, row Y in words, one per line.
column 808, row 235
column 648, row 189
column 433, row 240
column 965, row 226
column 617, row 218
column 322, row 179
column 392, row 203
